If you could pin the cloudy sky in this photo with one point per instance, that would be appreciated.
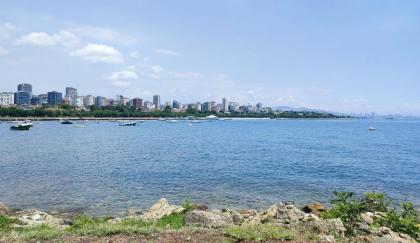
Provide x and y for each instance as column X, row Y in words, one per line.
column 346, row 56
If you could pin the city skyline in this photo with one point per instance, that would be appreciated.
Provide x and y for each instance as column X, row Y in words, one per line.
column 334, row 56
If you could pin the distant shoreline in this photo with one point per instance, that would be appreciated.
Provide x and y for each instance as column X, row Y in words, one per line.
column 152, row 118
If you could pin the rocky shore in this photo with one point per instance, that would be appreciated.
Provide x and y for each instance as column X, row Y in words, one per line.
column 194, row 223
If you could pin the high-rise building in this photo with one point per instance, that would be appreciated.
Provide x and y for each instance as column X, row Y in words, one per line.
column 7, row 98
column 199, row 106
column 71, row 95
column 137, row 103
column 54, row 98
column 213, row 106
column 22, row 98
column 101, row 101
column 156, row 101
column 43, row 99
column 35, row 100
column 225, row 105
column 176, row 104
column 206, row 106
column 25, row 87
column 259, row 107
column 80, row 101
column 88, row 100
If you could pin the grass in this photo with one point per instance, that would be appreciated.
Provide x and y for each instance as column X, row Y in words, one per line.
column 262, row 232
column 85, row 225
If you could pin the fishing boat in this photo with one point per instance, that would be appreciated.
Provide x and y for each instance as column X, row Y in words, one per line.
column 128, row 124
column 66, row 122
column 21, row 126
column 372, row 129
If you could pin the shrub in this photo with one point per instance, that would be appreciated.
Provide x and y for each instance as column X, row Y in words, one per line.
column 376, row 202
column 173, row 221
column 347, row 208
column 405, row 221
column 188, row 205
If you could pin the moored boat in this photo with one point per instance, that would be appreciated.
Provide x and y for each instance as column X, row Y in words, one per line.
column 21, row 126
column 66, row 122
column 128, row 124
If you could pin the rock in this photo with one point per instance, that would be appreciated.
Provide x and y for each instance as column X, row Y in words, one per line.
column 236, row 217
column 367, row 217
column 247, row 213
column 201, row 207
column 32, row 217
column 324, row 227
column 207, row 219
column 281, row 214
column 327, row 238
column 384, row 234
column 288, row 214
column 133, row 211
column 160, row 209
column 4, row 210
column 315, row 208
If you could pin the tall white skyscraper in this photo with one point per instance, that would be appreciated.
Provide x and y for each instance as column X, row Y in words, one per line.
column 225, row 105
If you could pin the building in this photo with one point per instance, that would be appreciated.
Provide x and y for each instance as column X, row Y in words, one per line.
column 213, row 106
column 54, row 98
column 259, row 107
column 101, row 101
column 88, row 100
column 43, row 99
column 35, row 100
column 80, row 101
column 22, row 98
column 225, row 105
column 24, row 87
column 137, row 103
column 156, row 101
column 7, row 98
column 199, row 106
column 176, row 105
column 206, row 106
column 71, row 95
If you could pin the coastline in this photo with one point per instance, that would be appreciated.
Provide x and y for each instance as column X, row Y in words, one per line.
column 164, row 222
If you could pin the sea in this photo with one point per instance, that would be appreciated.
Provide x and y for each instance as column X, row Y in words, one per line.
column 102, row 168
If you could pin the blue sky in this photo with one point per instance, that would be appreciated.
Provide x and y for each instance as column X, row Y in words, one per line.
column 346, row 56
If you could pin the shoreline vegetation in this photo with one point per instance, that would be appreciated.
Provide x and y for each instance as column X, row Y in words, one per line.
column 125, row 112
column 365, row 218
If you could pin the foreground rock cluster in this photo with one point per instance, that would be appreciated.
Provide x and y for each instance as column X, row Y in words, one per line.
column 303, row 221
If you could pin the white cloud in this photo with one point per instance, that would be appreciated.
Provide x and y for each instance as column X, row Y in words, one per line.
column 99, row 53
column 7, row 30
column 186, row 75
column 134, row 55
column 157, row 68
column 63, row 37
column 3, row 52
column 120, row 83
column 167, row 52
column 123, row 78
column 124, row 74
column 104, row 34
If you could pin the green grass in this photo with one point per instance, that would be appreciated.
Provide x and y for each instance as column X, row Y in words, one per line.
column 39, row 232
column 6, row 223
column 85, row 225
column 261, row 232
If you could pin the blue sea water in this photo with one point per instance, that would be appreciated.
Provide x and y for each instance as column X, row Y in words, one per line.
column 105, row 169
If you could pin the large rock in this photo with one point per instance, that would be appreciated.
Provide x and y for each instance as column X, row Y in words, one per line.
column 31, row 217
column 4, row 210
column 315, row 208
column 282, row 214
column 161, row 209
column 207, row 219
column 384, row 234
column 325, row 227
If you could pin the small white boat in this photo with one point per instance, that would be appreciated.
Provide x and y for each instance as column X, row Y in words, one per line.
column 128, row 124
column 372, row 129
column 189, row 124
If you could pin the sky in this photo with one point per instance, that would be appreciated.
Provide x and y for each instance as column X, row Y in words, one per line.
column 350, row 56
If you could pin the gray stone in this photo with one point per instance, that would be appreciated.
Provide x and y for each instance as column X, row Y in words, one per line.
column 384, row 234
column 4, row 210
column 207, row 219
column 31, row 217
column 161, row 209
column 324, row 227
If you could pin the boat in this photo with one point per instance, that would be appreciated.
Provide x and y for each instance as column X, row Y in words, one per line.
column 128, row 124
column 21, row 126
column 79, row 126
column 66, row 122
column 372, row 129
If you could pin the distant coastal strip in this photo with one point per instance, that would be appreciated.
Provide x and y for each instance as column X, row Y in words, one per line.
column 124, row 112
column 369, row 218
